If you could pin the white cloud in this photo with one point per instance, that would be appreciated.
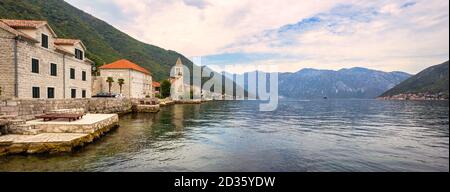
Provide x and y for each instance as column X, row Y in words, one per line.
column 183, row 26
column 403, row 35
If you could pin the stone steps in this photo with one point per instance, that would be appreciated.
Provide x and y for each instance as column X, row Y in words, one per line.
column 15, row 122
column 24, row 129
column 32, row 132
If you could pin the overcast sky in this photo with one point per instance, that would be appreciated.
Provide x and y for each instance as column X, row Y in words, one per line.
column 395, row 35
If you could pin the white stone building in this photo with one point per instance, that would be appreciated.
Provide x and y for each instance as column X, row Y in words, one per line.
column 137, row 80
column 178, row 89
column 35, row 63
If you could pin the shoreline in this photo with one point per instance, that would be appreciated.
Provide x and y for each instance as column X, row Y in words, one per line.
column 25, row 135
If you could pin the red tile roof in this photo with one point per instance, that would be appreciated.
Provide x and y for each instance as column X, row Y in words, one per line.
column 60, row 41
column 24, row 23
column 125, row 64
column 156, row 84
column 6, row 27
column 27, row 24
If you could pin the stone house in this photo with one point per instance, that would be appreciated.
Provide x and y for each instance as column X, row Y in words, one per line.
column 35, row 63
column 156, row 87
column 137, row 80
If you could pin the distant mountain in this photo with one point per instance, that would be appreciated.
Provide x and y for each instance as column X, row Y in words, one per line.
column 105, row 43
column 433, row 80
column 346, row 83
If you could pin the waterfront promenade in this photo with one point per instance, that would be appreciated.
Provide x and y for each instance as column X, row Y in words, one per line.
column 28, row 135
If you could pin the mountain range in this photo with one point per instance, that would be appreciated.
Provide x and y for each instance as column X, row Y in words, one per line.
column 355, row 82
column 106, row 44
column 433, row 80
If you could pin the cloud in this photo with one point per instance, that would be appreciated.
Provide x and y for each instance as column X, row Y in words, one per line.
column 394, row 36
column 386, row 35
column 200, row 4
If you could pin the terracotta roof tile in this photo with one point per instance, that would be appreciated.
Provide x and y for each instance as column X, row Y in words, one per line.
column 27, row 24
column 6, row 27
column 156, row 84
column 125, row 64
column 24, row 23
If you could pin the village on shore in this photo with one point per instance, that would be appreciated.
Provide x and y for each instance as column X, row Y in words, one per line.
column 52, row 99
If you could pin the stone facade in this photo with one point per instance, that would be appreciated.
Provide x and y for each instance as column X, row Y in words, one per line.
column 137, row 84
column 6, row 59
column 29, row 108
column 26, row 51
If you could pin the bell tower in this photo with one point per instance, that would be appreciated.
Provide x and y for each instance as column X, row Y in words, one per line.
column 177, row 90
column 179, row 68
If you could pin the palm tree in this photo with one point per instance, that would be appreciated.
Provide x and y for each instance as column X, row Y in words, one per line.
column 121, row 82
column 110, row 80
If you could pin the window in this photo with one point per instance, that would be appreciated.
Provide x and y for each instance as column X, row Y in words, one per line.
column 34, row 65
column 53, row 69
column 72, row 73
column 83, row 93
column 36, row 92
column 73, row 93
column 83, row 75
column 44, row 41
column 50, row 92
column 79, row 54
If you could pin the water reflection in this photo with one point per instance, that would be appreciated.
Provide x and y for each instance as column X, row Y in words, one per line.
column 322, row 135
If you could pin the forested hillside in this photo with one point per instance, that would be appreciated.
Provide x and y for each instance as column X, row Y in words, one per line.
column 104, row 42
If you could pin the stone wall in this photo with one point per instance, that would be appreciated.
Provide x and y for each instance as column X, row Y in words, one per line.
column 27, row 51
column 6, row 65
column 28, row 108
column 137, row 84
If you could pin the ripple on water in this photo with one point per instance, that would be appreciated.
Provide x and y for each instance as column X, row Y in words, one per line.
column 301, row 135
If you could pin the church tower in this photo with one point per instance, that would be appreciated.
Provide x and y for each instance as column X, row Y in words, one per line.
column 179, row 68
column 177, row 89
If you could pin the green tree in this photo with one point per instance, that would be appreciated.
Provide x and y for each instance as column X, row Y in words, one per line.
column 110, row 80
column 121, row 83
column 165, row 88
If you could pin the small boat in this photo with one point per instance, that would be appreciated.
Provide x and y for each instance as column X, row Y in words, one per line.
column 325, row 97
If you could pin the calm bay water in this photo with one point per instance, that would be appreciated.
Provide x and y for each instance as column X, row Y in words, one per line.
column 318, row 135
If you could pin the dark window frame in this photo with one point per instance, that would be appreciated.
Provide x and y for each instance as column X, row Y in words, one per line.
column 83, row 93
column 35, row 65
column 52, row 95
column 44, row 40
column 72, row 74
column 79, row 54
column 73, row 93
column 53, row 72
column 83, row 75
column 34, row 94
